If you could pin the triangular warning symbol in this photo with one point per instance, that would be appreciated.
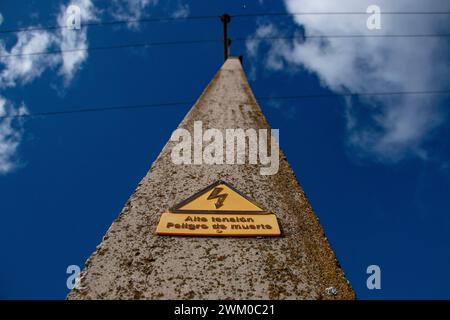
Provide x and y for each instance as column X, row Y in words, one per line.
column 220, row 197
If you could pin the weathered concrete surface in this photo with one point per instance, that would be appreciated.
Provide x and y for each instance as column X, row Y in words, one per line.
column 133, row 263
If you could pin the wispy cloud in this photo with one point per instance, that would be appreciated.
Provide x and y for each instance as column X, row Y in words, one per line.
column 21, row 67
column 181, row 11
column 387, row 129
column 18, row 66
column 135, row 10
column 11, row 131
column 67, row 39
column 131, row 10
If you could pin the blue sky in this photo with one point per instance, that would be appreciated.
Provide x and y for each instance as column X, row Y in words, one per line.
column 376, row 170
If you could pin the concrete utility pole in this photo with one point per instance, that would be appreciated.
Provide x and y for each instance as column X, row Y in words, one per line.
column 132, row 262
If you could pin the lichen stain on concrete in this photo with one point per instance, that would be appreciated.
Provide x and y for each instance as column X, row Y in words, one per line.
column 133, row 263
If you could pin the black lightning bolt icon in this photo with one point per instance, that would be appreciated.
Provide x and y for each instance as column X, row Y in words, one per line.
column 215, row 194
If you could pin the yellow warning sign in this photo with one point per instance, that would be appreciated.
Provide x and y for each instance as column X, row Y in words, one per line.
column 218, row 210
column 185, row 224
column 221, row 197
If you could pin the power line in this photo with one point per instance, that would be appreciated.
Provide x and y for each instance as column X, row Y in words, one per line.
column 343, row 36
column 110, row 47
column 98, row 109
column 204, row 41
column 359, row 94
column 189, row 103
column 111, row 23
column 335, row 13
column 208, row 17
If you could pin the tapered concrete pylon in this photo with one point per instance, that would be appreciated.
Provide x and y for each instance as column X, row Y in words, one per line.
column 133, row 262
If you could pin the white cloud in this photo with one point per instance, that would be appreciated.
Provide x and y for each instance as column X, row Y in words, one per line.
column 131, row 10
column 19, row 66
column 182, row 11
column 386, row 128
column 11, row 131
column 67, row 39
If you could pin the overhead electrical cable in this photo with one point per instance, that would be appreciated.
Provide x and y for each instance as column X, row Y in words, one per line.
column 210, row 17
column 189, row 103
column 219, row 41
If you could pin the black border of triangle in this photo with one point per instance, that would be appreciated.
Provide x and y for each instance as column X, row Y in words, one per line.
column 176, row 208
